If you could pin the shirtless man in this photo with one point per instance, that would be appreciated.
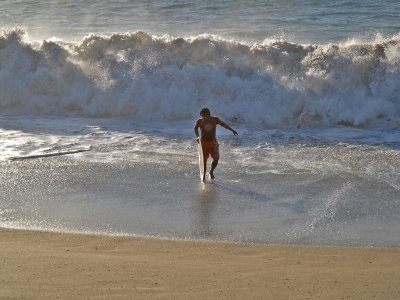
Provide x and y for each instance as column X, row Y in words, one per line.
column 208, row 125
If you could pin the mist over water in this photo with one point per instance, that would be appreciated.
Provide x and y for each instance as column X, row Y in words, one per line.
column 249, row 20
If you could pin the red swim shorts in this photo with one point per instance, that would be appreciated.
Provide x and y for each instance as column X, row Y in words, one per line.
column 210, row 149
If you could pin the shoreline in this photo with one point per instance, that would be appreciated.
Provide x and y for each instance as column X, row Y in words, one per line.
column 50, row 265
column 192, row 240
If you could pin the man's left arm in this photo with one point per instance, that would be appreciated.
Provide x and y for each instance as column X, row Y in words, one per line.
column 223, row 124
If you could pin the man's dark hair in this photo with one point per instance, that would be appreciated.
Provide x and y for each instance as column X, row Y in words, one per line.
column 205, row 111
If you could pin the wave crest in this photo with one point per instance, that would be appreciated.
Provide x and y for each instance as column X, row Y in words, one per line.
column 152, row 78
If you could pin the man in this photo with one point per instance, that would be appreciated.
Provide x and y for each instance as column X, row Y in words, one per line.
column 208, row 125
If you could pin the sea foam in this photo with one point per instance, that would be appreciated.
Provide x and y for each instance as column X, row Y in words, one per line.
column 273, row 84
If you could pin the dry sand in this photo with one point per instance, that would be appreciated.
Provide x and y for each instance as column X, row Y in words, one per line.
column 39, row 265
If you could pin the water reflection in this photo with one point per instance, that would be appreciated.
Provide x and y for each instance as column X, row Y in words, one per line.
column 206, row 196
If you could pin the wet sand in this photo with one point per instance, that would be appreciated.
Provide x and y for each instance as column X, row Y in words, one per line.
column 43, row 265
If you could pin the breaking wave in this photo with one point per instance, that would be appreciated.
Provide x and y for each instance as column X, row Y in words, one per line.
column 160, row 78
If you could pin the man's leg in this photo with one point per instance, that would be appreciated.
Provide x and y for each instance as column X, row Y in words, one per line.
column 205, row 169
column 213, row 166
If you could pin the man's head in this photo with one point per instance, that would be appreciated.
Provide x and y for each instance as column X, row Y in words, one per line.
column 205, row 112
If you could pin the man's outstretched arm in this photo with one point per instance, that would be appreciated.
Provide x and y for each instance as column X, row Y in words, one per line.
column 223, row 124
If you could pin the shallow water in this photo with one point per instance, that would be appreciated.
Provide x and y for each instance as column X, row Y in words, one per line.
column 270, row 188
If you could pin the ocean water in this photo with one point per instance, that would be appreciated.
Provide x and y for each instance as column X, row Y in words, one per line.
column 304, row 21
column 98, row 102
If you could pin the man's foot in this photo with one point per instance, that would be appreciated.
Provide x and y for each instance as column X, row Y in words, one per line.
column 212, row 175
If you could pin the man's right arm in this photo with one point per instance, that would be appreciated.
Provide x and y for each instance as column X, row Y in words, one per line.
column 196, row 131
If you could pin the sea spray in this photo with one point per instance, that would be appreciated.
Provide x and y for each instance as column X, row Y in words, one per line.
column 275, row 84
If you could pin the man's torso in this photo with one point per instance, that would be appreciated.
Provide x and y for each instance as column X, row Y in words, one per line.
column 208, row 128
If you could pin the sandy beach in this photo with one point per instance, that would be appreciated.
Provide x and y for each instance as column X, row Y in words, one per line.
column 43, row 265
